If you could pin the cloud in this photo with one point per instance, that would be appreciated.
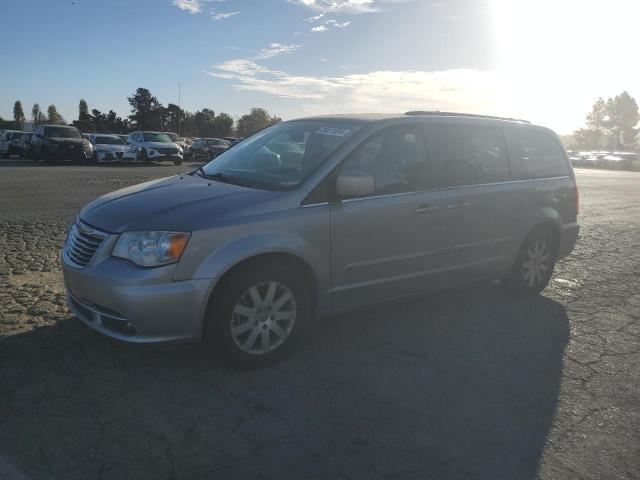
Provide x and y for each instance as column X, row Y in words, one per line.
column 276, row 49
column 346, row 6
column 315, row 18
column 384, row 90
column 222, row 15
column 191, row 6
column 324, row 26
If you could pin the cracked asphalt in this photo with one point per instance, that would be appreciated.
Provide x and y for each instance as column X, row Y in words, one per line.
column 466, row 384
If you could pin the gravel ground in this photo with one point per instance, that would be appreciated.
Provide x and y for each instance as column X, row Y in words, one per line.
column 469, row 384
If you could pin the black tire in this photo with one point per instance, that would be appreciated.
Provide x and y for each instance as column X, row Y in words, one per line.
column 534, row 264
column 221, row 315
column 142, row 155
column 45, row 156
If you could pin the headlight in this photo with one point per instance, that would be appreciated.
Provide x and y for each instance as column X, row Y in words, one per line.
column 131, row 149
column 151, row 249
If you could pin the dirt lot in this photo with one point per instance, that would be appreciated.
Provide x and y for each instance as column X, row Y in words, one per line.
column 472, row 384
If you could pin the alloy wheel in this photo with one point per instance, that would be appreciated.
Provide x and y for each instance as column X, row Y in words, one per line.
column 537, row 263
column 263, row 317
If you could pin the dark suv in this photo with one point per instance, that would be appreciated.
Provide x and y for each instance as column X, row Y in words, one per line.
column 60, row 142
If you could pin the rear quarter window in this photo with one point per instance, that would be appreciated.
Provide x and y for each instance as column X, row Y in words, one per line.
column 539, row 154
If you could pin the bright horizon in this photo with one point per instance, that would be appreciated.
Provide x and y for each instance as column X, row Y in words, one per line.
column 541, row 60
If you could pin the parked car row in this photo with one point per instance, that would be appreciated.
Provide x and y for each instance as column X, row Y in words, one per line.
column 619, row 160
column 208, row 148
column 60, row 142
column 13, row 142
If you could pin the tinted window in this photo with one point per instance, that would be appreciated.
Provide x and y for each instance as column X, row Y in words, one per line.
column 61, row 132
column 216, row 141
column 539, row 154
column 470, row 154
column 156, row 137
column 394, row 157
column 105, row 140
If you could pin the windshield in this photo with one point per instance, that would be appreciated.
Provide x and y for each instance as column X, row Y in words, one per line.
column 109, row 141
column 156, row 137
column 173, row 136
column 61, row 132
column 282, row 156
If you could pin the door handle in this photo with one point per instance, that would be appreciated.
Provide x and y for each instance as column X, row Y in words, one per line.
column 459, row 205
column 422, row 209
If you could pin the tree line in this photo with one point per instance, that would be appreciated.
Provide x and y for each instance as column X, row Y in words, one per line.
column 147, row 113
column 610, row 125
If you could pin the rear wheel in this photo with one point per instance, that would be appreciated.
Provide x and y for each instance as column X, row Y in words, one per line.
column 534, row 264
column 257, row 315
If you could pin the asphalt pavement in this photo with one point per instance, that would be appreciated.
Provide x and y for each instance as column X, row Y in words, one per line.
column 465, row 384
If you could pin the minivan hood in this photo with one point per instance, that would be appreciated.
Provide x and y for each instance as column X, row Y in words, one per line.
column 181, row 203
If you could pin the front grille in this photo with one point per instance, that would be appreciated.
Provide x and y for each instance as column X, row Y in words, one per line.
column 82, row 243
column 167, row 151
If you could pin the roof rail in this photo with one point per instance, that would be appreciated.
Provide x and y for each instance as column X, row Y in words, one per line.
column 457, row 114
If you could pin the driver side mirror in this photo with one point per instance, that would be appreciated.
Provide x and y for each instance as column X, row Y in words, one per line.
column 355, row 184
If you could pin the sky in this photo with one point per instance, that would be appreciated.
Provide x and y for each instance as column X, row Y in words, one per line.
column 543, row 60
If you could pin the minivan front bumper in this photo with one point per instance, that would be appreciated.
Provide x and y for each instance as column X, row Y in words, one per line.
column 137, row 305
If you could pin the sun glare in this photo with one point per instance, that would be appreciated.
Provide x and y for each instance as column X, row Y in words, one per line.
column 565, row 53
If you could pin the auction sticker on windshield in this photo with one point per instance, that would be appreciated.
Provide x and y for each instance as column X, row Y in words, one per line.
column 336, row 132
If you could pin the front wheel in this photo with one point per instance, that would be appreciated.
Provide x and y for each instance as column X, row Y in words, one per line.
column 45, row 156
column 534, row 264
column 142, row 156
column 257, row 315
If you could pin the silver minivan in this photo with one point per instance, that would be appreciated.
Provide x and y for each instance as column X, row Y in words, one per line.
column 321, row 214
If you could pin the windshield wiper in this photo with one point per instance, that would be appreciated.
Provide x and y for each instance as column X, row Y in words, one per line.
column 200, row 172
column 220, row 177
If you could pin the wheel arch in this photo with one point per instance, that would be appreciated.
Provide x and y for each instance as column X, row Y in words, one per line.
column 281, row 258
column 547, row 224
